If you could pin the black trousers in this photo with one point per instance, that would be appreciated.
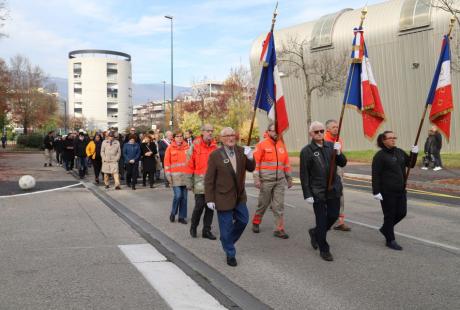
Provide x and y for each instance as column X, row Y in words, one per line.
column 200, row 204
column 97, row 165
column 394, row 207
column 132, row 171
column 151, row 175
column 326, row 214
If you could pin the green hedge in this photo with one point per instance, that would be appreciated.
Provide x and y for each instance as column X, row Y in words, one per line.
column 34, row 140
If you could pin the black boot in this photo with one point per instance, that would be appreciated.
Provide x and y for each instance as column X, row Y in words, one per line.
column 208, row 235
column 193, row 232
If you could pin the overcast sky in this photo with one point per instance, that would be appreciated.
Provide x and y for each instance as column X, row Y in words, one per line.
column 211, row 36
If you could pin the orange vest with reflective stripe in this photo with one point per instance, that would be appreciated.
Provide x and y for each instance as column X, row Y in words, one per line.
column 197, row 164
column 272, row 160
column 330, row 138
column 175, row 163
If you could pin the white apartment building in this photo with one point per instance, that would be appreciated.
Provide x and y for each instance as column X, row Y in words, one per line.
column 100, row 88
column 151, row 114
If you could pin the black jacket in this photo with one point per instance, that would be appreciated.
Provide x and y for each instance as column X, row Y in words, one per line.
column 433, row 144
column 162, row 146
column 48, row 142
column 149, row 162
column 314, row 171
column 80, row 148
column 388, row 170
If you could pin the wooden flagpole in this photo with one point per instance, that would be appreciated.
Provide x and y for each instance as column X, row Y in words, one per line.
column 256, row 106
column 334, row 154
column 422, row 120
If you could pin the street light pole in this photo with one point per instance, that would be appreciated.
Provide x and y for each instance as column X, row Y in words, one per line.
column 172, row 73
column 65, row 117
column 164, row 106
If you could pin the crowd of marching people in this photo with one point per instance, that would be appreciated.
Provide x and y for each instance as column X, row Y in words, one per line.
column 216, row 176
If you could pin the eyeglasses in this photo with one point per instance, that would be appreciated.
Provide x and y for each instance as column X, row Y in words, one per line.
column 209, row 130
column 228, row 136
column 178, row 137
column 318, row 131
column 391, row 138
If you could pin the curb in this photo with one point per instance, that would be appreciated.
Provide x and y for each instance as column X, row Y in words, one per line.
column 211, row 280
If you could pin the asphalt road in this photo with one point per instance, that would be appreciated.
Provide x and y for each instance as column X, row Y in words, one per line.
column 288, row 274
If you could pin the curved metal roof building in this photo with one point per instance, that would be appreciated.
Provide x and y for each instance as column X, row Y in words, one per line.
column 403, row 39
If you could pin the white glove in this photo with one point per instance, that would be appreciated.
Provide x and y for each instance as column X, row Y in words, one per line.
column 248, row 152
column 378, row 197
column 131, row 161
column 310, row 200
column 211, row 205
column 414, row 149
column 337, row 147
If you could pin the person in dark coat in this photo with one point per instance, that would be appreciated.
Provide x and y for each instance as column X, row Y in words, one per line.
column 4, row 141
column 131, row 154
column 48, row 146
column 68, row 152
column 80, row 154
column 149, row 152
column 162, row 146
column 389, row 184
column 315, row 165
column 58, row 149
column 432, row 149
column 224, row 185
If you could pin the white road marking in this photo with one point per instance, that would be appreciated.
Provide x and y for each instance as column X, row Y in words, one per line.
column 174, row 286
column 43, row 191
column 438, row 244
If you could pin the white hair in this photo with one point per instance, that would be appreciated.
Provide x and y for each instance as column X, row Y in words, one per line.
column 227, row 130
column 315, row 125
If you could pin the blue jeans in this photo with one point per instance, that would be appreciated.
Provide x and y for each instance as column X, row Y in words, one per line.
column 231, row 225
column 179, row 201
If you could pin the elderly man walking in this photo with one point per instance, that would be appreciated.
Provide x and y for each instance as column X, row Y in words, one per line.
column 315, row 162
column 110, row 154
column 225, row 190
column 271, row 176
column 197, row 163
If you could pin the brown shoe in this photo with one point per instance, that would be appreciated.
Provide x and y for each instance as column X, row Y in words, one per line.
column 280, row 234
column 342, row 227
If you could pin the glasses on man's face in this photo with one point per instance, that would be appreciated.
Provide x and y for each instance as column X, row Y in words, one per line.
column 391, row 138
column 209, row 130
column 318, row 131
column 228, row 136
column 178, row 136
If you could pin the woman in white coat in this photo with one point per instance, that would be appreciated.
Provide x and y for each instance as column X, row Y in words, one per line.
column 110, row 154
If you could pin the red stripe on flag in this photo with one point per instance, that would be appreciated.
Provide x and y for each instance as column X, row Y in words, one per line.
column 440, row 109
column 265, row 46
column 282, row 122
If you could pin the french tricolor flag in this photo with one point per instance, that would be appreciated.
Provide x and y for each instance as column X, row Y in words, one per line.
column 270, row 97
column 440, row 95
column 361, row 91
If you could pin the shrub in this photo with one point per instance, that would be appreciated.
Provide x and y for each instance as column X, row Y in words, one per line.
column 33, row 140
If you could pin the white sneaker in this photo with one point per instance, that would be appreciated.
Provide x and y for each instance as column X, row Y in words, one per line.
column 424, row 168
column 437, row 168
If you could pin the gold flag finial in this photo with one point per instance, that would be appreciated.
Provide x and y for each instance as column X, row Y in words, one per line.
column 363, row 16
column 451, row 25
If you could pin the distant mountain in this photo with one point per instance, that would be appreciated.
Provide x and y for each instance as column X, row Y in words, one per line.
column 141, row 92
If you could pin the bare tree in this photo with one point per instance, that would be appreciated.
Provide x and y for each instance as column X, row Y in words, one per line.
column 3, row 16
column 452, row 7
column 28, row 96
column 323, row 72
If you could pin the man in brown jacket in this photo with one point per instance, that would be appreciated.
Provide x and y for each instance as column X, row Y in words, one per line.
column 225, row 190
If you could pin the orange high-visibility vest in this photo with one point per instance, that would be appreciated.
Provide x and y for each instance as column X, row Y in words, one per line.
column 272, row 160
column 197, row 164
column 175, row 163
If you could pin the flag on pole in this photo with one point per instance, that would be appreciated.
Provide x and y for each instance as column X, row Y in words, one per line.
column 361, row 92
column 440, row 96
column 270, row 97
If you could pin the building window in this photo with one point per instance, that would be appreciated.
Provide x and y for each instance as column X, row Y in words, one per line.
column 77, row 70
column 112, row 90
column 112, row 71
column 415, row 14
column 323, row 30
column 77, row 89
